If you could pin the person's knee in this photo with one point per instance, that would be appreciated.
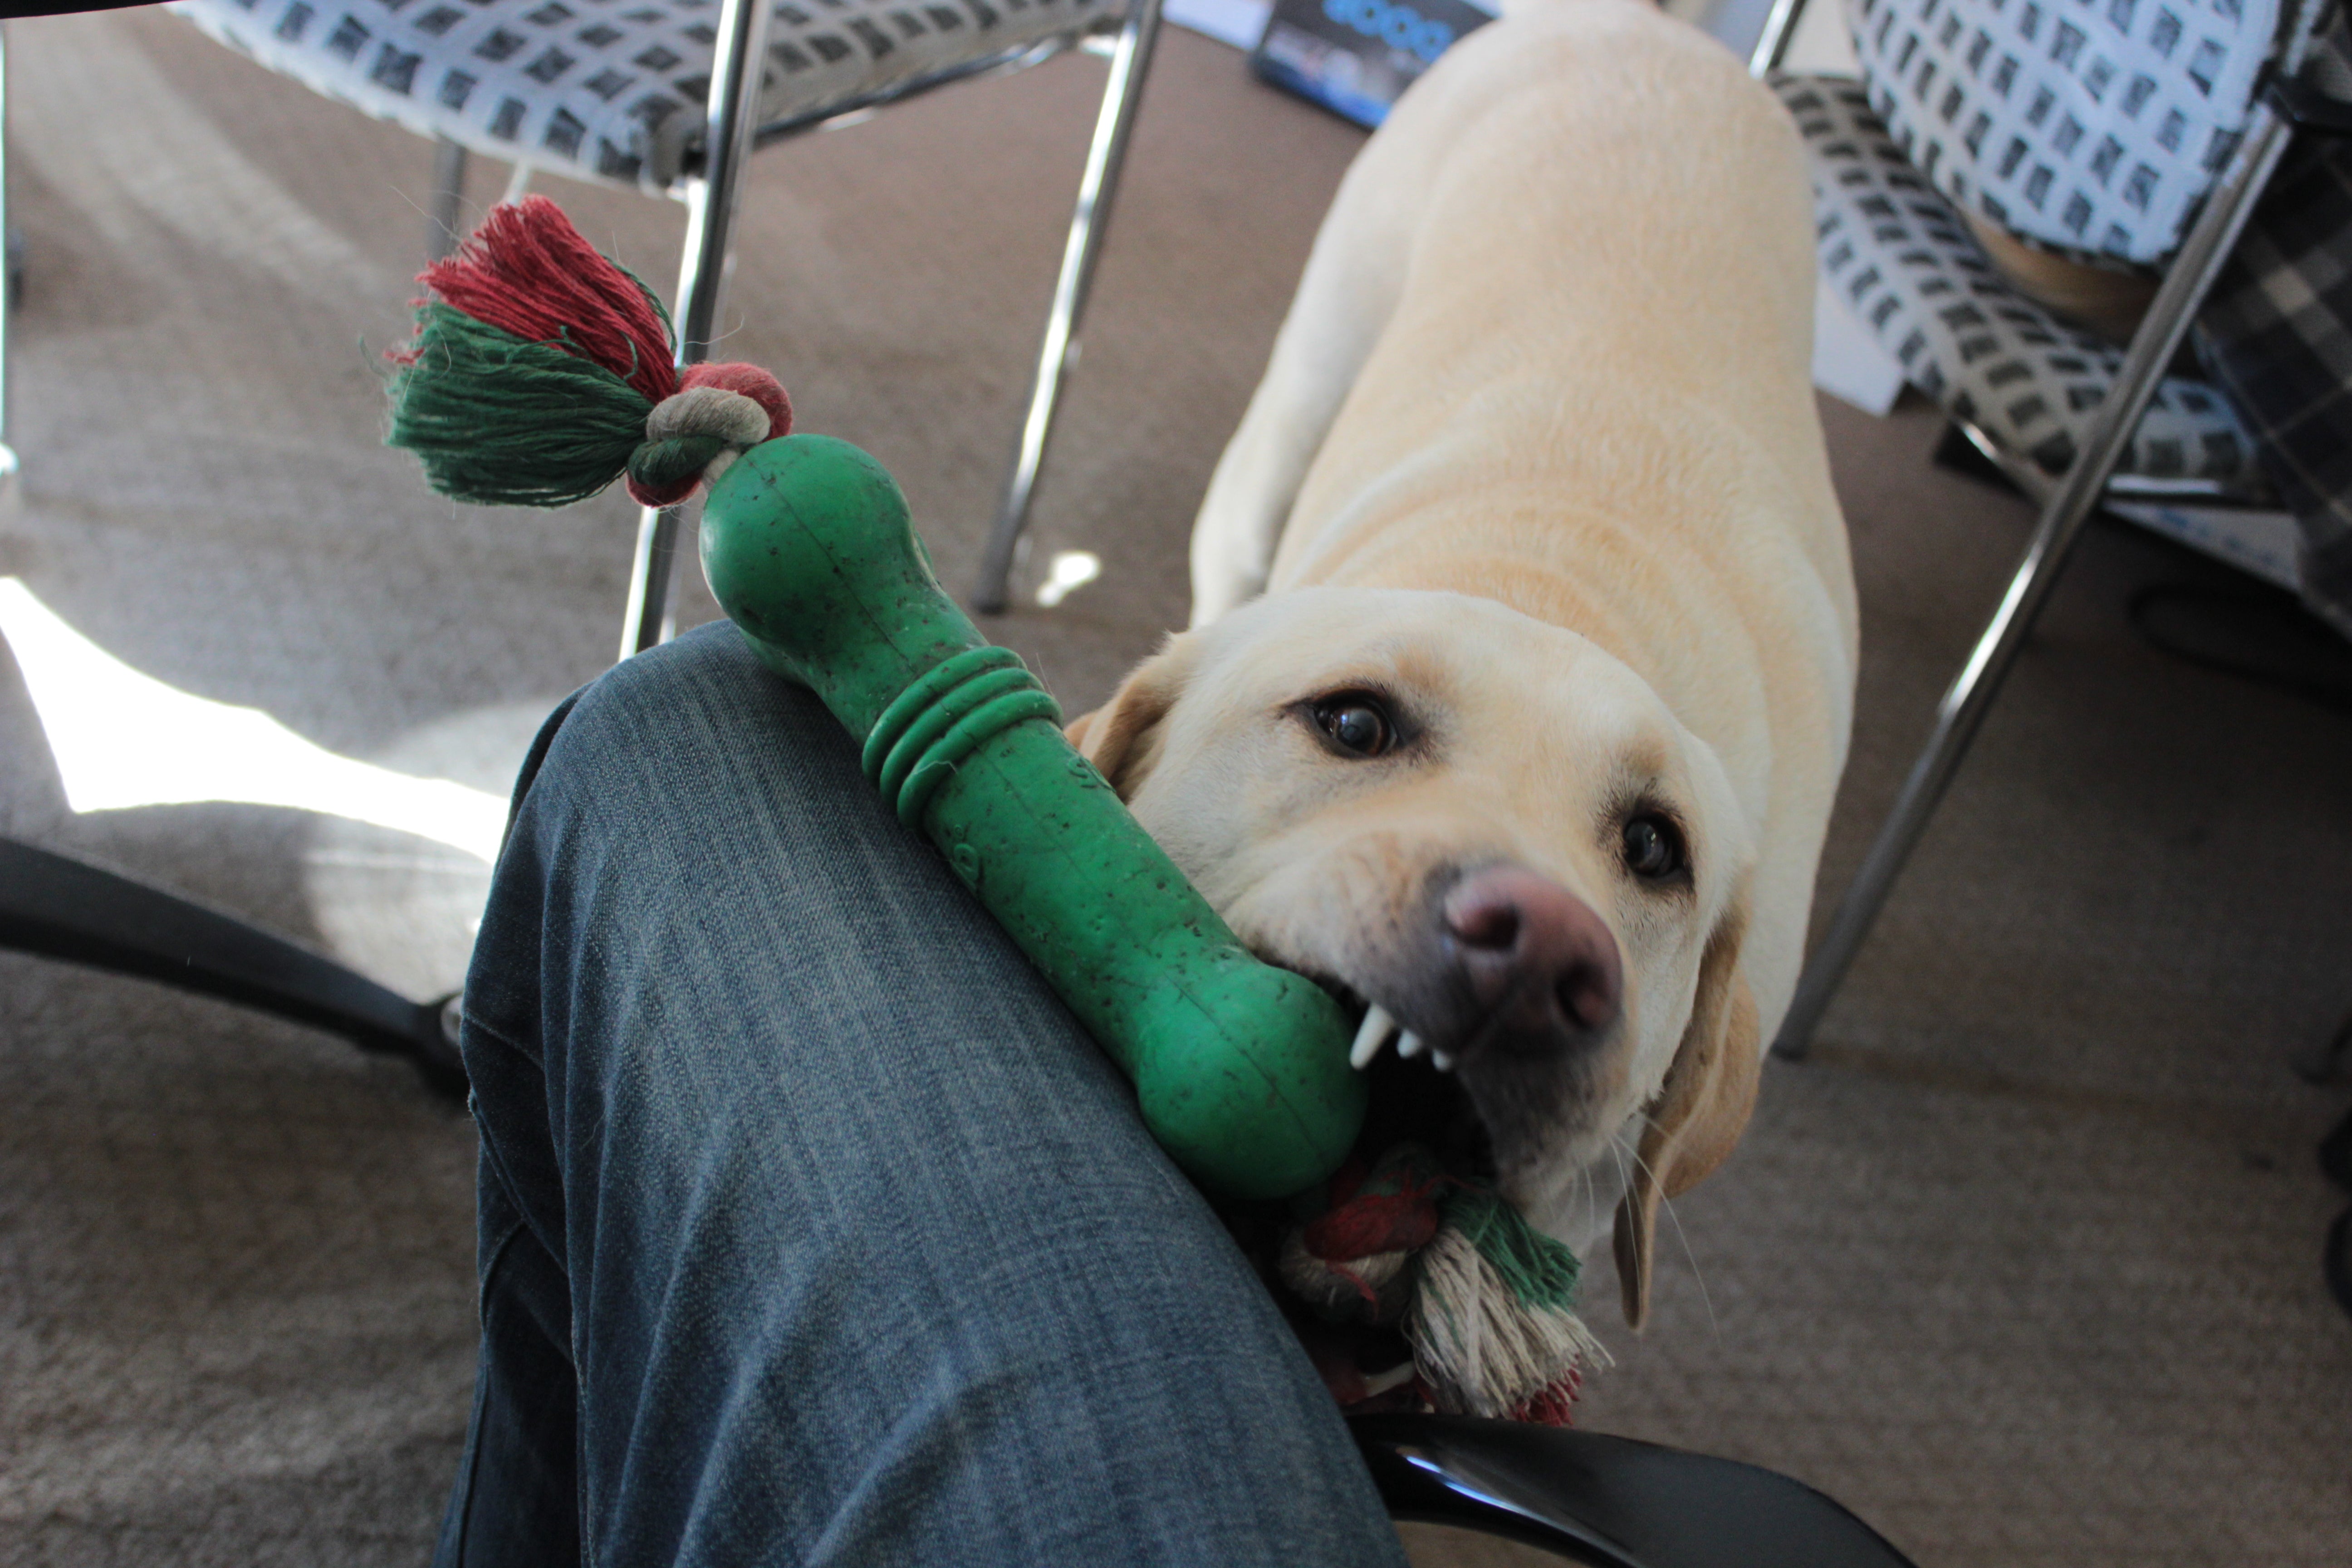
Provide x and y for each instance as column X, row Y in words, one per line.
column 665, row 727
column 712, row 657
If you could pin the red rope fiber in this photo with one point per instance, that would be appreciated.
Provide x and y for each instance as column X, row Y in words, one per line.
column 528, row 271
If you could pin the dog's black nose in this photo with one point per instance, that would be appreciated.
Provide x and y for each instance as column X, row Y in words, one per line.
column 1540, row 966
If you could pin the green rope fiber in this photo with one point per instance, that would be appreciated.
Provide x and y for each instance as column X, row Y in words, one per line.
column 1541, row 1272
column 500, row 422
column 658, row 465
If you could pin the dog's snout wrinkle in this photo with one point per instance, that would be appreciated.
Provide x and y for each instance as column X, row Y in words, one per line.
column 1538, row 962
column 1490, row 925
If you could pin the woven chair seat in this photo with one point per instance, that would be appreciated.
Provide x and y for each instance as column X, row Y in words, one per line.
column 2094, row 127
column 1895, row 251
column 613, row 90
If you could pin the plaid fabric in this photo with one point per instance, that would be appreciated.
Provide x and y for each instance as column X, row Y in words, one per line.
column 2276, row 334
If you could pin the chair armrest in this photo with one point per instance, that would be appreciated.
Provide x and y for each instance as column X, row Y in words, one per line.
column 2317, row 98
column 2312, row 110
column 1609, row 1502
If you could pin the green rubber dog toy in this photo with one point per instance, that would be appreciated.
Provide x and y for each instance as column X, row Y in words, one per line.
column 1241, row 1068
column 541, row 373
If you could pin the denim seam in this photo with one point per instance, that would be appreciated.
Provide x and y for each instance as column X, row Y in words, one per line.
column 492, row 1154
column 473, row 1433
column 476, row 1021
column 489, row 1270
column 473, row 1490
column 498, row 1172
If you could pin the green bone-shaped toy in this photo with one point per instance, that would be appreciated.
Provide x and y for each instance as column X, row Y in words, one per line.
column 1241, row 1068
column 540, row 372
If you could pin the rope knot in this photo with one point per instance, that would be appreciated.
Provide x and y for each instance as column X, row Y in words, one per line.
column 694, row 433
column 540, row 372
column 1485, row 1302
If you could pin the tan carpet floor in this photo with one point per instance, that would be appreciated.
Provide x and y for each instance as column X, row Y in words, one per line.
column 2023, row 1267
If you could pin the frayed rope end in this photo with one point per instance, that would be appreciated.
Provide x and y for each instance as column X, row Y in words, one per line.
column 1485, row 1300
column 542, row 371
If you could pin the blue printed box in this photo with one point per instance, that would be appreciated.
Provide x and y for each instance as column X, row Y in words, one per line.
column 1353, row 57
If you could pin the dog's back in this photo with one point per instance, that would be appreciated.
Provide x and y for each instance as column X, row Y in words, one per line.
column 1605, row 235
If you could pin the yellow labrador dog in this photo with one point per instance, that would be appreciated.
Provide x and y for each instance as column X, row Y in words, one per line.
column 1523, row 644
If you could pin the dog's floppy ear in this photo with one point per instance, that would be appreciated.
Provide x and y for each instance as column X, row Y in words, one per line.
column 1699, row 1114
column 1121, row 738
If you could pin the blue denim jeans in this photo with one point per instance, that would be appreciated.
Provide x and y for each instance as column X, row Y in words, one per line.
column 813, row 1229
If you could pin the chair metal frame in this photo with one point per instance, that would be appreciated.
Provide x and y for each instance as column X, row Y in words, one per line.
column 56, row 907
column 712, row 187
column 7, row 286
column 62, row 908
column 2066, row 502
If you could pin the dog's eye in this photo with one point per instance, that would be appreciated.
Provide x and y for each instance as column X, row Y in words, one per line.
column 1356, row 722
column 1653, row 848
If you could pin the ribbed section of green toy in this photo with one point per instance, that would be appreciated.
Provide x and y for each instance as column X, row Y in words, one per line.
column 1240, row 1070
column 950, row 712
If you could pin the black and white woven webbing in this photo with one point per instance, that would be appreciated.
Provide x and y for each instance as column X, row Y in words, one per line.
column 2087, row 125
column 1893, row 250
column 612, row 90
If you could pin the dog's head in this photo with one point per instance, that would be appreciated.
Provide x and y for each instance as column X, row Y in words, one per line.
column 1496, row 832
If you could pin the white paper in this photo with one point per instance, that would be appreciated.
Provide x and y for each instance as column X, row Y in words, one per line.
column 2262, row 543
column 1241, row 22
column 1848, row 362
column 1236, row 21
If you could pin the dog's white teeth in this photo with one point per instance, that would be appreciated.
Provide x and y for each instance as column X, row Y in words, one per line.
column 1410, row 1046
column 1441, row 1061
column 1370, row 1035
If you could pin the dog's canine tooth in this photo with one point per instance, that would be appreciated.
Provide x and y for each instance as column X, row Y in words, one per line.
column 1371, row 1036
column 1443, row 1061
column 1410, row 1046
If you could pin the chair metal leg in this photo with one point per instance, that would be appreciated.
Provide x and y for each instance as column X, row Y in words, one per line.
column 8, row 279
column 517, row 183
column 2070, row 505
column 442, row 218
column 1130, row 59
column 1772, row 43
column 710, row 197
column 62, row 908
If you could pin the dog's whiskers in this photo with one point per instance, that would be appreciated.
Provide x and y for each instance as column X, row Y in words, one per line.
column 1617, row 1153
column 1616, row 1140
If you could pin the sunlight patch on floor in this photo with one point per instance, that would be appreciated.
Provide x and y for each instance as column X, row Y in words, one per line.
column 1071, row 570
column 123, row 739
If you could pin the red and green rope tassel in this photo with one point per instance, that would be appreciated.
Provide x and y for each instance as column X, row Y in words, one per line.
column 542, row 372
column 1485, row 1301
